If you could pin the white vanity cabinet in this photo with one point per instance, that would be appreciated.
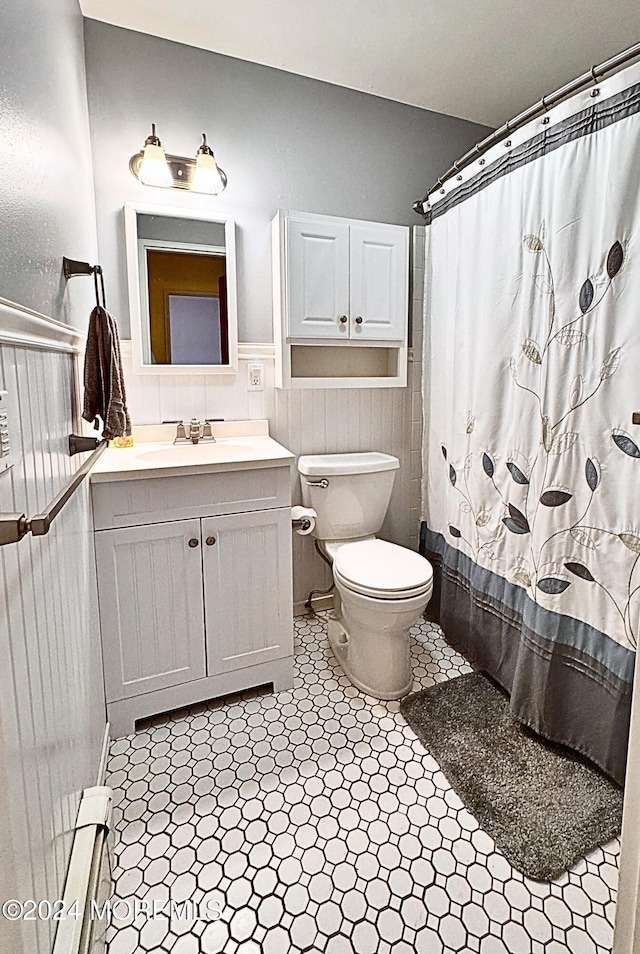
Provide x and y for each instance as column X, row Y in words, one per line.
column 195, row 593
column 341, row 301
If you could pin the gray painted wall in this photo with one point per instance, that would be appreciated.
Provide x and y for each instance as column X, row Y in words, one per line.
column 285, row 141
column 46, row 188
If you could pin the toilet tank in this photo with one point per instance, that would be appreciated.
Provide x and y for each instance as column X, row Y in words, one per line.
column 349, row 492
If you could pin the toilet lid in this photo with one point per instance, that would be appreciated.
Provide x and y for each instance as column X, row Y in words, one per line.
column 376, row 566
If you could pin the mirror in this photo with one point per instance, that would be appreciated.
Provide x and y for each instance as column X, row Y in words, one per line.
column 182, row 290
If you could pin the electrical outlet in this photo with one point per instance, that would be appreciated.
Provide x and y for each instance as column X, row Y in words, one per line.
column 256, row 377
column 6, row 458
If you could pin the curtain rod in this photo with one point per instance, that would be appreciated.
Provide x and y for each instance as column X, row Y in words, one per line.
column 595, row 74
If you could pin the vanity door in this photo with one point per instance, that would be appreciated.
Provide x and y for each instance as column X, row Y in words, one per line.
column 151, row 610
column 247, row 588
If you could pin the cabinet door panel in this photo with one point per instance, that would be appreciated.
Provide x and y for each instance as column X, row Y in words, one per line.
column 151, row 607
column 379, row 276
column 247, row 589
column 318, row 278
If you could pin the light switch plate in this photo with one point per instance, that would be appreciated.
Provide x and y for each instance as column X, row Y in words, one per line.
column 6, row 457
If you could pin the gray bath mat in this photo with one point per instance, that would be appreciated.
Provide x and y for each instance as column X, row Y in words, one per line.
column 543, row 806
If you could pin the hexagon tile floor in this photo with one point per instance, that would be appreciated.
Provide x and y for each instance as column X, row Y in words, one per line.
column 319, row 823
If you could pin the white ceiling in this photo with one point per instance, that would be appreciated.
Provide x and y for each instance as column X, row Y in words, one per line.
column 484, row 60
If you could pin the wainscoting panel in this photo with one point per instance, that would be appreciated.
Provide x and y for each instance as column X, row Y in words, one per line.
column 153, row 398
column 52, row 714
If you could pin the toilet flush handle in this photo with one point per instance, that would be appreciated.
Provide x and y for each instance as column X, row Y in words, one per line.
column 324, row 483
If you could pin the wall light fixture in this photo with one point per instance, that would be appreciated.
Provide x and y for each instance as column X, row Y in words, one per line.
column 153, row 167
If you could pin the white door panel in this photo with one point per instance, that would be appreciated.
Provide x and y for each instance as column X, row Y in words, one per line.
column 151, row 607
column 247, row 587
column 318, row 278
column 379, row 289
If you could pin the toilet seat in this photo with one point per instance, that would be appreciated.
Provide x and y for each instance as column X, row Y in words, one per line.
column 382, row 570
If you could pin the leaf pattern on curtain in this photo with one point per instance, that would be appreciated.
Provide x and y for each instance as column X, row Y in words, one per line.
column 482, row 527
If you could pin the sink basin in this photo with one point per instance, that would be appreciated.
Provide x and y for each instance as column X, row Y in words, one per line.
column 197, row 453
column 240, row 445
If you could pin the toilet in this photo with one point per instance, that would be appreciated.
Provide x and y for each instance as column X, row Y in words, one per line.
column 382, row 588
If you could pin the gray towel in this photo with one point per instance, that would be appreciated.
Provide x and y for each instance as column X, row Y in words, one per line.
column 104, row 391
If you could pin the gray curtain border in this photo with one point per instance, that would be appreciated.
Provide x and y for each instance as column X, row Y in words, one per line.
column 513, row 603
column 555, row 687
column 590, row 120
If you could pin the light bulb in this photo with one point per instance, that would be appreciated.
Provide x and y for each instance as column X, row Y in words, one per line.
column 207, row 177
column 154, row 170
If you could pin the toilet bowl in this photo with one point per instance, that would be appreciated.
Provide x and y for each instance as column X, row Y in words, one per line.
column 382, row 589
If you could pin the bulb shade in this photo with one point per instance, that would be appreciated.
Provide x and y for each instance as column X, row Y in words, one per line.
column 206, row 177
column 154, row 170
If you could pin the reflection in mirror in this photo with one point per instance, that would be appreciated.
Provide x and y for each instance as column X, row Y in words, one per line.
column 184, row 291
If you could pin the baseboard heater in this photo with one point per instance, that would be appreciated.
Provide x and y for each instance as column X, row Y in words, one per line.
column 89, row 883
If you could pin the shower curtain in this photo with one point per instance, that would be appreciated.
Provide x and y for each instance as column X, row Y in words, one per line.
column 531, row 510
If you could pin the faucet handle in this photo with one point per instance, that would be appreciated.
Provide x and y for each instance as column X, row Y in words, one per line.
column 181, row 434
column 206, row 427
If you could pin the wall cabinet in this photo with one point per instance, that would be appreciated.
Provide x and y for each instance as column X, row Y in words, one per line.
column 339, row 283
column 191, row 609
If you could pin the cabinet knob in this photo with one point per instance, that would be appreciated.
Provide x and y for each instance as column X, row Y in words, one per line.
column 210, row 541
column 343, row 319
column 193, row 542
column 358, row 320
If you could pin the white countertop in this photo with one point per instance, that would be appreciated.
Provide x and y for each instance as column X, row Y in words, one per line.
column 239, row 445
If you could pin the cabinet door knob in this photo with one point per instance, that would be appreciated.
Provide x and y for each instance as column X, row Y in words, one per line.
column 193, row 542
column 343, row 319
column 358, row 320
column 210, row 541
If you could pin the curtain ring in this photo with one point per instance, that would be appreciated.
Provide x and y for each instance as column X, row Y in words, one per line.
column 595, row 91
column 545, row 109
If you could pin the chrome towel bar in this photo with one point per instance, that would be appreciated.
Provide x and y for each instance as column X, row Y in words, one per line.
column 14, row 526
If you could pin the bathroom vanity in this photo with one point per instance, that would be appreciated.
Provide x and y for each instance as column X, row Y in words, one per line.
column 193, row 553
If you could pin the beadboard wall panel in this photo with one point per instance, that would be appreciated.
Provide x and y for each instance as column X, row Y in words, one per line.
column 52, row 713
column 153, row 398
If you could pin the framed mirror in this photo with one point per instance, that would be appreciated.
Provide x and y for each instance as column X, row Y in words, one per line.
column 181, row 267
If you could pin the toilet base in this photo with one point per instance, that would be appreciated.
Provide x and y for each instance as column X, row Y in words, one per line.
column 370, row 639
column 336, row 632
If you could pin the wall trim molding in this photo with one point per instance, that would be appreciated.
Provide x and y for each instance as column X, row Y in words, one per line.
column 247, row 350
column 22, row 327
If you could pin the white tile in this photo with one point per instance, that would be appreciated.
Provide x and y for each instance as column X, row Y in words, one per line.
column 369, row 851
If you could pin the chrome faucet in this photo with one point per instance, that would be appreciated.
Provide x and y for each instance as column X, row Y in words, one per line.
column 195, row 430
